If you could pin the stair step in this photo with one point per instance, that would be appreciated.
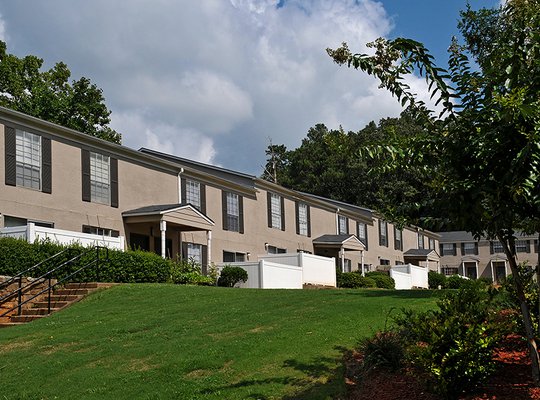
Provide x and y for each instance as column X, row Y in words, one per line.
column 75, row 292
column 25, row 318
column 64, row 297
column 82, row 285
column 54, row 304
column 38, row 311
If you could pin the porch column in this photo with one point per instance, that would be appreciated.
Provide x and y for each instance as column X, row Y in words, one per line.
column 342, row 260
column 492, row 274
column 209, row 247
column 438, row 267
column 477, row 272
column 163, row 229
column 180, row 245
column 362, row 262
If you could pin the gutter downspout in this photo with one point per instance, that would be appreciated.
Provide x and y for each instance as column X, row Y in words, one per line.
column 180, row 185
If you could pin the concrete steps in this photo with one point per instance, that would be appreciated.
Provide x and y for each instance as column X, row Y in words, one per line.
column 61, row 298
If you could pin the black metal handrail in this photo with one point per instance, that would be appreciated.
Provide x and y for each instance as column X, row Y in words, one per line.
column 49, row 276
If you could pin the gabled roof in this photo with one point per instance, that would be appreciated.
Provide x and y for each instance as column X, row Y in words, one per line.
column 348, row 242
column 183, row 216
column 345, row 206
column 421, row 253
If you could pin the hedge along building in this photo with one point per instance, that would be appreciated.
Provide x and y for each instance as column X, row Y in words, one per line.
column 462, row 254
column 68, row 180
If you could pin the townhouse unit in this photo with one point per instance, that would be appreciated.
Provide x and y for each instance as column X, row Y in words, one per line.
column 58, row 178
column 462, row 254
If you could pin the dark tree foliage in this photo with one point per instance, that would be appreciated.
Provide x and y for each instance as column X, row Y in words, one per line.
column 328, row 163
column 49, row 95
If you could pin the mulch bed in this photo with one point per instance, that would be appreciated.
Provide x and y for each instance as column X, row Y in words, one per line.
column 512, row 381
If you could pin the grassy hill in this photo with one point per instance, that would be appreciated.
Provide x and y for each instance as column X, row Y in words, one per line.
column 151, row 341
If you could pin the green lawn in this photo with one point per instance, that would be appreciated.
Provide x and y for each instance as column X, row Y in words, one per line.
column 184, row 342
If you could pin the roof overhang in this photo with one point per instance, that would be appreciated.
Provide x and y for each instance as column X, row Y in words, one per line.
column 345, row 242
column 182, row 217
column 420, row 255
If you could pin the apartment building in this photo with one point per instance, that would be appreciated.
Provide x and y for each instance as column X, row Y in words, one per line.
column 462, row 254
column 63, row 179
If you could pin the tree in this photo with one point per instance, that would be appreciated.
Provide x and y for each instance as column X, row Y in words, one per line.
column 49, row 95
column 327, row 164
column 481, row 154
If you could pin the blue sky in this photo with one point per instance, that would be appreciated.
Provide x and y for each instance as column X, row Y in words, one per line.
column 216, row 80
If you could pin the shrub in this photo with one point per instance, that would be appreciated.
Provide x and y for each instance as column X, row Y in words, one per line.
column 383, row 350
column 455, row 282
column 436, row 279
column 454, row 344
column 230, row 276
column 382, row 280
column 353, row 280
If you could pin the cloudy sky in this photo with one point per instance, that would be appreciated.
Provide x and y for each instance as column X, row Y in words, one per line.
column 216, row 80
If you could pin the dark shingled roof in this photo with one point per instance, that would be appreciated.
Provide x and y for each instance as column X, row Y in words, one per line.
column 419, row 252
column 456, row 237
column 346, row 206
column 155, row 208
column 332, row 238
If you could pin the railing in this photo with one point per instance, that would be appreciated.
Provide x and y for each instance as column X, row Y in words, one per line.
column 49, row 277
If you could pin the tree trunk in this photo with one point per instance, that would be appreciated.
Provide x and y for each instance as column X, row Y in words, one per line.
column 538, row 280
column 510, row 250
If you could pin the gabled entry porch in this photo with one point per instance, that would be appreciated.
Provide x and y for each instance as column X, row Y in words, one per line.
column 158, row 228
column 337, row 246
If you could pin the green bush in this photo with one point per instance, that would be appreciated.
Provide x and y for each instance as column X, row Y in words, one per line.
column 455, row 282
column 382, row 280
column 353, row 280
column 383, row 350
column 436, row 279
column 230, row 276
column 116, row 266
column 454, row 344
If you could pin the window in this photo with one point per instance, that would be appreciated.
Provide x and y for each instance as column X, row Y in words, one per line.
column 343, row 225
column 193, row 193
column 139, row 242
column 99, row 178
column 28, row 160
column 16, row 221
column 383, row 261
column 499, row 270
column 233, row 214
column 448, row 249
column 522, row 246
column 275, row 219
column 347, row 265
column 446, row 270
column 100, row 182
column 496, row 247
column 470, row 270
column 194, row 253
column 303, row 219
column 230, row 256
column 431, row 244
column 95, row 230
column 383, row 233
column 399, row 262
column 362, row 233
column 275, row 250
column 398, row 241
column 420, row 240
column 469, row 248
column 536, row 246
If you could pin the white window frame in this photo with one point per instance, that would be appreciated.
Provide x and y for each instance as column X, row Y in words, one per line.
column 193, row 193
column 362, row 232
column 447, row 249
column 421, row 244
column 275, row 210
column 522, row 246
column 497, row 247
column 468, row 250
column 194, row 253
column 342, row 225
column 233, row 212
column 100, row 178
column 28, row 160
column 303, row 219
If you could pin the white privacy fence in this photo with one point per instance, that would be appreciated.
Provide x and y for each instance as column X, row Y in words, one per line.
column 408, row 276
column 287, row 271
column 31, row 233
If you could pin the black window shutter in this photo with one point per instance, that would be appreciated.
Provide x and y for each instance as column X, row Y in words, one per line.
column 476, row 248
column 184, row 251
column 114, row 182
column 85, row 167
column 46, row 165
column 202, row 197
column 528, row 246
column 240, row 214
column 282, row 213
column 491, row 248
column 10, row 155
column 536, row 246
column 381, row 242
column 346, row 225
column 455, row 249
column 183, row 190
column 224, row 210
column 365, row 230
column 386, row 230
column 441, row 249
column 462, row 249
column 296, row 210
column 269, row 208
column 308, row 221
column 204, row 260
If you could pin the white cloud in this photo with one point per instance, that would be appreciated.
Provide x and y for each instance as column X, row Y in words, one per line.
column 207, row 78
